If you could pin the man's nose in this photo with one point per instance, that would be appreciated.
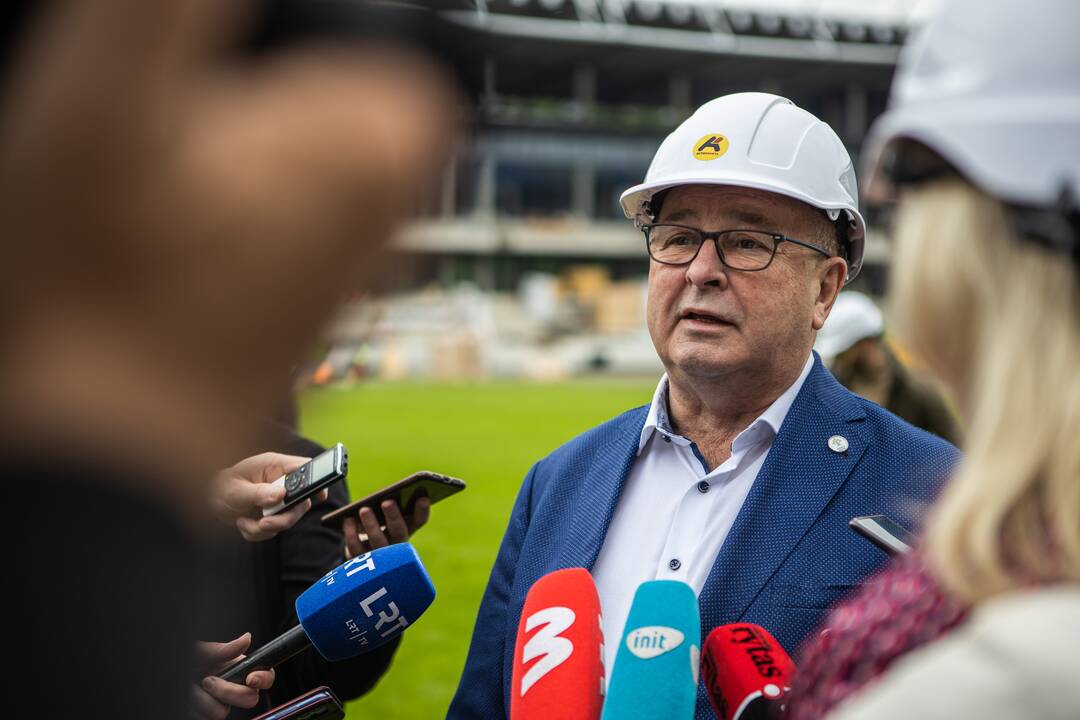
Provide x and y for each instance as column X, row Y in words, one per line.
column 706, row 269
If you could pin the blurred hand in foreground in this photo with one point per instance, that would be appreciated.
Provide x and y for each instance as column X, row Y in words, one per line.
column 178, row 222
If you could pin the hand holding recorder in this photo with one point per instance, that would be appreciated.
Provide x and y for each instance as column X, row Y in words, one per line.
column 268, row 493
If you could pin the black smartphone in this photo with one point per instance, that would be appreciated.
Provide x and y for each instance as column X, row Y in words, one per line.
column 891, row 537
column 311, row 477
column 425, row 483
column 319, row 704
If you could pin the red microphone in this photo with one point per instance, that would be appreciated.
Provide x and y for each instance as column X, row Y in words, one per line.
column 746, row 672
column 559, row 653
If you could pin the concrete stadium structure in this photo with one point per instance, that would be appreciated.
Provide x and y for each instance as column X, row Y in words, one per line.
column 575, row 96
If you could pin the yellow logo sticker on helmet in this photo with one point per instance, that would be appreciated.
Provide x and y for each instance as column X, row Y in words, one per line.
column 710, row 147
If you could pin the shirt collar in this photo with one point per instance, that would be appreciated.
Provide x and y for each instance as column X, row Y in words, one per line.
column 657, row 419
column 769, row 421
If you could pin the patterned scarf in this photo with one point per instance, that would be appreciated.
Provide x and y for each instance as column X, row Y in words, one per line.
column 901, row 609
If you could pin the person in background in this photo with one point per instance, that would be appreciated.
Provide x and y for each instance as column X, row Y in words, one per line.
column 982, row 142
column 853, row 345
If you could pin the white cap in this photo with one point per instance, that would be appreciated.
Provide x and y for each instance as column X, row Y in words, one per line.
column 854, row 317
column 759, row 141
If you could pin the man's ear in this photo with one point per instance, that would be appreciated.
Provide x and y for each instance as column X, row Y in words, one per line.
column 831, row 276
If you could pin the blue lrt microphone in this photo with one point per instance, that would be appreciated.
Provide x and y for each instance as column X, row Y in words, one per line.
column 356, row 607
column 656, row 666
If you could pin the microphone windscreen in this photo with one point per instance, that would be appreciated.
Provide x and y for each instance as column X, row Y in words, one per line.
column 558, row 657
column 365, row 602
column 656, row 665
column 746, row 672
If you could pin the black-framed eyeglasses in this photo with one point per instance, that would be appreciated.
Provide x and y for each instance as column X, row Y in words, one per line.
column 739, row 249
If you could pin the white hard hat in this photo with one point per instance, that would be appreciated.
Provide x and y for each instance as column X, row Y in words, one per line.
column 854, row 317
column 994, row 89
column 760, row 141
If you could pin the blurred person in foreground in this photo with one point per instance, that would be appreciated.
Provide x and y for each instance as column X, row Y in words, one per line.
column 982, row 142
column 164, row 205
column 852, row 344
column 740, row 476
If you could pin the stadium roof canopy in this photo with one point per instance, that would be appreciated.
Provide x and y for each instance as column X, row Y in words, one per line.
column 858, row 31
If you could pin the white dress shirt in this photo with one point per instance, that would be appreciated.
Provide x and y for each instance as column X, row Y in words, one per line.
column 674, row 514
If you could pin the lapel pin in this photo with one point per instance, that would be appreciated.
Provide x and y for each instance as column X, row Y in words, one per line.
column 838, row 444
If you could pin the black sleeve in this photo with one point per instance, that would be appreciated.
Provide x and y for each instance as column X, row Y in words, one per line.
column 100, row 598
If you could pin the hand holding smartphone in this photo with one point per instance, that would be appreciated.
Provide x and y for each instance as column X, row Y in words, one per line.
column 405, row 492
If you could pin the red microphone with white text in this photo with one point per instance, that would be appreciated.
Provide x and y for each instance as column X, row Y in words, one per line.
column 746, row 672
column 558, row 656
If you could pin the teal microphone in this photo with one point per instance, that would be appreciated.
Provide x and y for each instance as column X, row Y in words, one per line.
column 656, row 666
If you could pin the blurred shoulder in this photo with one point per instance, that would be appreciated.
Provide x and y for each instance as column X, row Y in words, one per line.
column 999, row 664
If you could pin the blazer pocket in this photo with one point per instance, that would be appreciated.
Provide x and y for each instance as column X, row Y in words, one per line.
column 811, row 597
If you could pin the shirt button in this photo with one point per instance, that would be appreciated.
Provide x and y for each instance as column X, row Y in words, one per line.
column 666, row 438
column 674, row 564
column 703, row 487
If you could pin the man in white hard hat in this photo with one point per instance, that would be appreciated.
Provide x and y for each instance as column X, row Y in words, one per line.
column 740, row 477
column 852, row 344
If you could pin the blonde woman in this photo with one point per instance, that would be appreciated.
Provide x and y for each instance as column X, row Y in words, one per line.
column 983, row 143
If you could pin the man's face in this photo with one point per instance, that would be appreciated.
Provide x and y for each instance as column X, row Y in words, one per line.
column 708, row 321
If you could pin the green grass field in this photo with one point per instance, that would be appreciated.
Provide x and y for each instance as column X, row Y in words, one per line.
column 488, row 434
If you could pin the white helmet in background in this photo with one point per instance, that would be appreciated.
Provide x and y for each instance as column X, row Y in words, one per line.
column 994, row 89
column 854, row 317
column 759, row 141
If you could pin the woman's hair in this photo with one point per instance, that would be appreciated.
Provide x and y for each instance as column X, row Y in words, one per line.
column 998, row 318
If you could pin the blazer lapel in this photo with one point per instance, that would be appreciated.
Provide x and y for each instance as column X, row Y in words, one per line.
column 798, row 479
column 601, row 486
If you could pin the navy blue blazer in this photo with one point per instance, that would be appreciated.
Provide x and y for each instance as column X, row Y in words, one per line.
column 788, row 556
